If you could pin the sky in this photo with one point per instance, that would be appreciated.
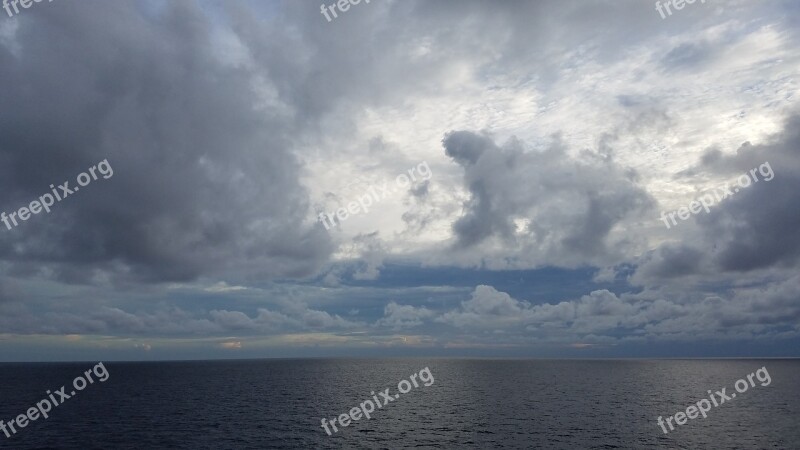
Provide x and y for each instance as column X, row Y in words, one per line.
column 409, row 178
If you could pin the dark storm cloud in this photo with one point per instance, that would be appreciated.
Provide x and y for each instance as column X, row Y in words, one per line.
column 672, row 260
column 754, row 229
column 203, row 181
column 758, row 227
column 572, row 204
column 466, row 147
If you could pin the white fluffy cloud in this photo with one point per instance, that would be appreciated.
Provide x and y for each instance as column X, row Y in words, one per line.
column 404, row 316
column 603, row 316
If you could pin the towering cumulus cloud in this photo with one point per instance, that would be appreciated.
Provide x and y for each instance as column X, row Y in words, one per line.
column 543, row 201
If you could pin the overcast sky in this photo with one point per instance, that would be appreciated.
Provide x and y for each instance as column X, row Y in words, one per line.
column 517, row 156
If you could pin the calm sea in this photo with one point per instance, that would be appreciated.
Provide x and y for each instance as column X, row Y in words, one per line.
column 472, row 403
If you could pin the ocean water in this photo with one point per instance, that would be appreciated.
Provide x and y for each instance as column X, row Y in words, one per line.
column 472, row 403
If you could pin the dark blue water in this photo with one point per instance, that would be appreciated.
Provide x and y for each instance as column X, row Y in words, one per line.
column 471, row 404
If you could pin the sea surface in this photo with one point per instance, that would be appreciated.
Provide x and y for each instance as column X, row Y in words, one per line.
column 472, row 403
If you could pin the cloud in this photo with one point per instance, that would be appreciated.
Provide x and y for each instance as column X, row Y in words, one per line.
column 551, row 129
column 753, row 230
column 487, row 308
column 602, row 316
column 204, row 183
column 232, row 320
column 224, row 287
column 529, row 201
column 404, row 316
column 173, row 321
column 688, row 55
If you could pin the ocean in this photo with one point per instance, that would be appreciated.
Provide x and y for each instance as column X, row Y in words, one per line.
column 467, row 403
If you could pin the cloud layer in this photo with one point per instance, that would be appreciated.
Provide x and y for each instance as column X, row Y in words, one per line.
column 555, row 133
